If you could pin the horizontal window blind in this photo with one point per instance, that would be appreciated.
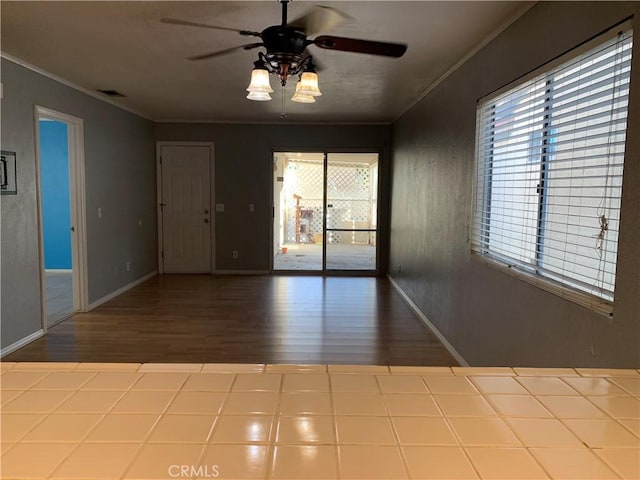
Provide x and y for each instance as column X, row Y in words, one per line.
column 550, row 156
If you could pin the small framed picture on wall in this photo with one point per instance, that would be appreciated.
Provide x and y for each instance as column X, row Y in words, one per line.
column 8, row 184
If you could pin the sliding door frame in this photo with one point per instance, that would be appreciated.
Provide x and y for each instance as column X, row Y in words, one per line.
column 379, row 221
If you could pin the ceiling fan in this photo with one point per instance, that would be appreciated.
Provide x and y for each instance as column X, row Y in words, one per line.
column 286, row 50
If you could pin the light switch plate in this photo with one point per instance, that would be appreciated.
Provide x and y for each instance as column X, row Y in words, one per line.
column 219, row 207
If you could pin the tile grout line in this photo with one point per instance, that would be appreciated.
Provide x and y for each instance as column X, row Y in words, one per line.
column 396, row 435
column 610, row 466
column 334, row 424
column 458, row 438
column 153, row 426
column 274, row 429
column 216, row 421
column 81, row 440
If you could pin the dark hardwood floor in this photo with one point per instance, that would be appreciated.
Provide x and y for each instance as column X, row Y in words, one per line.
column 246, row 319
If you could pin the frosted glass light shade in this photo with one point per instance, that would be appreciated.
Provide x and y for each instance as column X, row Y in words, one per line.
column 308, row 85
column 303, row 98
column 259, row 96
column 259, row 82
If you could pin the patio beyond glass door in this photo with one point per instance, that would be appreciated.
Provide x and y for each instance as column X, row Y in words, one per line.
column 325, row 211
column 298, row 219
column 352, row 210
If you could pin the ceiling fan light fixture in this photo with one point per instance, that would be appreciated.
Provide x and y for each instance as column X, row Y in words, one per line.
column 259, row 96
column 308, row 85
column 259, row 81
column 286, row 53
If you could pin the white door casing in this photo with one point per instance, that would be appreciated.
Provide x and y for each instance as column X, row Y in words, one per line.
column 75, row 136
column 185, row 208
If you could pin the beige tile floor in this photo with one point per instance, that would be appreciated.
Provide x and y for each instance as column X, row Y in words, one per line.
column 157, row 421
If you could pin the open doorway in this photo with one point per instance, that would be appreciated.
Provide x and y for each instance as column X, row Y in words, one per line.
column 61, row 201
column 56, row 219
column 325, row 212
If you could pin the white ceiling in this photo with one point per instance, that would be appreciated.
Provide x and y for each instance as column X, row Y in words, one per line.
column 123, row 46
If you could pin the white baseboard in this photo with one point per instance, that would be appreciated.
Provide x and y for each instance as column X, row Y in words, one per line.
column 21, row 343
column 58, row 270
column 430, row 326
column 120, row 291
column 240, row 272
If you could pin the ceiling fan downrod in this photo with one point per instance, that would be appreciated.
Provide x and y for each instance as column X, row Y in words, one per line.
column 284, row 12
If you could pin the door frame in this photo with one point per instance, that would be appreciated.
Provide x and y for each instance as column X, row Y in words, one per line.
column 77, row 203
column 212, row 222
column 326, row 152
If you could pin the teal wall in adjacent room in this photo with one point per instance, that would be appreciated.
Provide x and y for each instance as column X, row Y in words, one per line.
column 56, row 213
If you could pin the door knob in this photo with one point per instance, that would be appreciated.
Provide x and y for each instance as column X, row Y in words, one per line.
column 206, row 220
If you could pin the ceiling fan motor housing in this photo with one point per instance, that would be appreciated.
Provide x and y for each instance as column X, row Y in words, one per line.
column 284, row 45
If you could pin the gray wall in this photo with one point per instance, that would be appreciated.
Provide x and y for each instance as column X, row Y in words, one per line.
column 120, row 178
column 243, row 175
column 489, row 317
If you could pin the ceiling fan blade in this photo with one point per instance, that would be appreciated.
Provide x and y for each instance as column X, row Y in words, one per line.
column 174, row 21
column 371, row 47
column 219, row 53
column 319, row 19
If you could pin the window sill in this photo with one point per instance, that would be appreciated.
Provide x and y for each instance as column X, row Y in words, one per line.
column 596, row 305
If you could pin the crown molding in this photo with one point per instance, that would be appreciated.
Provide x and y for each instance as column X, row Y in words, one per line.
column 483, row 43
column 69, row 84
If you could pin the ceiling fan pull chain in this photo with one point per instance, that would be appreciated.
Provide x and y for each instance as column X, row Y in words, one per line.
column 283, row 114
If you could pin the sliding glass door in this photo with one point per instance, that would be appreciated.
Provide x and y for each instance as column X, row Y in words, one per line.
column 298, row 219
column 352, row 210
column 325, row 211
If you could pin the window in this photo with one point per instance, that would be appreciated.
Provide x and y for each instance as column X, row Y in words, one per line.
column 550, row 156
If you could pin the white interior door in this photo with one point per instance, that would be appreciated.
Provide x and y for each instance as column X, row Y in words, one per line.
column 186, row 208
